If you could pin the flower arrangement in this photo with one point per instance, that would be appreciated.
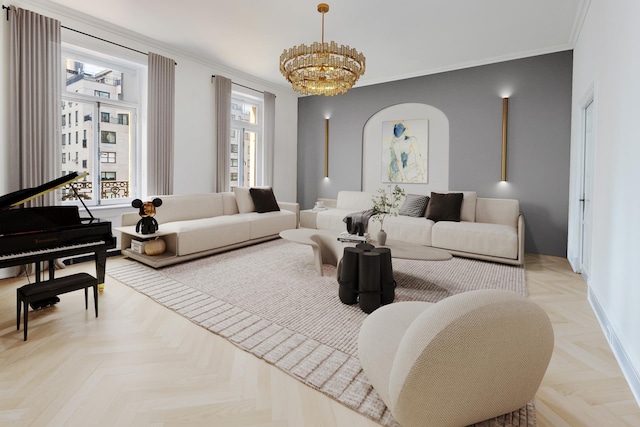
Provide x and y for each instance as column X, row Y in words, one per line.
column 386, row 203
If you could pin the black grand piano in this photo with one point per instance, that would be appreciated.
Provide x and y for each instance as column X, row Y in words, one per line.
column 32, row 235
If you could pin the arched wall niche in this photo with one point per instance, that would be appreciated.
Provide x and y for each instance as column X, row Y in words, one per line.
column 438, row 147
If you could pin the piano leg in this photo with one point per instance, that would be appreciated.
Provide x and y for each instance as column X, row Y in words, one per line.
column 52, row 268
column 101, row 262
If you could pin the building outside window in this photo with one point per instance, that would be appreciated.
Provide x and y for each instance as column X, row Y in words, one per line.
column 107, row 157
column 107, row 137
column 108, row 176
column 94, row 87
column 246, row 140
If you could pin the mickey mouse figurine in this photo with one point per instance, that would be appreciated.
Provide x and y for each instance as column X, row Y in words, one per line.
column 147, row 224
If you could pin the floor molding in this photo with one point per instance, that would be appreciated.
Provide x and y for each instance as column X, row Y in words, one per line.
column 620, row 354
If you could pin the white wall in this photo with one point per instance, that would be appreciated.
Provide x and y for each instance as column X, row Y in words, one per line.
column 195, row 164
column 437, row 152
column 606, row 61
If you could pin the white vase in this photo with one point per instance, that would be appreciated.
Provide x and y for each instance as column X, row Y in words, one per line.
column 382, row 237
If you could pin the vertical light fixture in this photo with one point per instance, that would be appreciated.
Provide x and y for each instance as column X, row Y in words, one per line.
column 326, row 148
column 505, row 112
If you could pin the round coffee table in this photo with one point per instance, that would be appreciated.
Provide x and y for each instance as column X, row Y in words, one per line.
column 328, row 250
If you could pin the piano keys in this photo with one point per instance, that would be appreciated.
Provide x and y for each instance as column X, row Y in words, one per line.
column 29, row 235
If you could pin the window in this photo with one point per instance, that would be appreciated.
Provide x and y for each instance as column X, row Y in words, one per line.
column 107, row 137
column 246, row 141
column 64, row 139
column 64, row 120
column 107, row 157
column 64, row 158
column 96, row 90
column 123, row 119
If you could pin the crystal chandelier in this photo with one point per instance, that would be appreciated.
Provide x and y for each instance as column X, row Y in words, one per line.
column 322, row 68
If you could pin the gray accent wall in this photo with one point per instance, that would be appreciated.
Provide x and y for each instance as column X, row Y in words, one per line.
column 539, row 137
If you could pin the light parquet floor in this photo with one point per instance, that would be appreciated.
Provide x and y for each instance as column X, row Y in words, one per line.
column 140, row 364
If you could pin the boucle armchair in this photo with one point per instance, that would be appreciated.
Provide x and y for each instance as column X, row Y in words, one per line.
column 468, row 358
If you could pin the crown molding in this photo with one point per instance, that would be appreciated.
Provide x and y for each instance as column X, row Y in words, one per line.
column 99, row 28
column 470, row 64
column 578, row 22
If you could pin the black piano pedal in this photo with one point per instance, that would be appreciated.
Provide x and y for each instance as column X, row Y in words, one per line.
column 44, row 303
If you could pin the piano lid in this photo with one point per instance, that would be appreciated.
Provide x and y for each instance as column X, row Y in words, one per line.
column 22, row 196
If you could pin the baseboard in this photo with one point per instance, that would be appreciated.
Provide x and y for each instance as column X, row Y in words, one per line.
column 574, row 262
column 630, row 374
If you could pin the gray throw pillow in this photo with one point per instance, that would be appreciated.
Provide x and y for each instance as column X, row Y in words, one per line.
column 414, row 205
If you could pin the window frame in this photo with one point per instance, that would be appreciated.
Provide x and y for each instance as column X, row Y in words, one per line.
column 138, row 73
column 242, row 126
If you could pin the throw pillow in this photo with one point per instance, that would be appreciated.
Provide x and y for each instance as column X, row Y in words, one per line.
column 243, row 200
column 414, row 205
column 264, row 200
column 444, row 207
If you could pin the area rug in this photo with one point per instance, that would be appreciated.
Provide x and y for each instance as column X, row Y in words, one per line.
column 269, row 300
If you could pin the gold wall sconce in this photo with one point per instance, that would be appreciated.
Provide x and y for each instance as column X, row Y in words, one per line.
column 326, row 148
column 505, row 113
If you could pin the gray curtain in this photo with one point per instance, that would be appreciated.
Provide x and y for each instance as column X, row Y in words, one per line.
column 269, row 136
column 160, row 124
column 223, row 132
column 35, row 95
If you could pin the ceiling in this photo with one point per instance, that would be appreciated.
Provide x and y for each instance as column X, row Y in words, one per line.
column 400, row 39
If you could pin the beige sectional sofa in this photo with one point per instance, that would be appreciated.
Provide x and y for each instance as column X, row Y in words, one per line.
column 194, row 226
column 489, row 229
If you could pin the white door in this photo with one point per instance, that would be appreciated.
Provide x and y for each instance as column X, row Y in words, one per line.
column 587, row 190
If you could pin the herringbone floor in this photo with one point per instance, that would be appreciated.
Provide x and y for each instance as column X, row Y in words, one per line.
column 140, row 364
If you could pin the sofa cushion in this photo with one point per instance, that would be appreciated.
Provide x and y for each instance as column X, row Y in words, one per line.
column 187, row 207
column 264, row 200
column 208, row 233
column 332, row 219
column 244, row 200
column 414, row 205
column 477, row 238
column 405, row 228
column 353, row 201
column 498, row 211
column 229, row 205
column 269, row 223
column 444, row 207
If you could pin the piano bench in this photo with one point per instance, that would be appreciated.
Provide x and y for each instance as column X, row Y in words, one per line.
column 52, row 288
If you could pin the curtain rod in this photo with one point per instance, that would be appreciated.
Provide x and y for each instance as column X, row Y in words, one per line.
column 213, row 76
column 95, row 37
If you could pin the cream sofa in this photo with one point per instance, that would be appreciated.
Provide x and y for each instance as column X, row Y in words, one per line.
column 489, row 229
column 194, row 226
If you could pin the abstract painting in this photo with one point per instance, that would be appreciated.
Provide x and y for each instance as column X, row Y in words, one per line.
column 405, row 148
